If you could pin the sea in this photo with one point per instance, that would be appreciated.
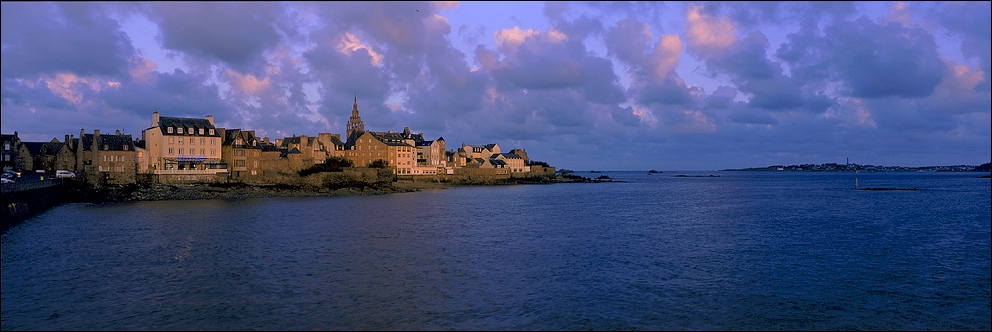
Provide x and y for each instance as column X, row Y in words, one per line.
column 721, row 250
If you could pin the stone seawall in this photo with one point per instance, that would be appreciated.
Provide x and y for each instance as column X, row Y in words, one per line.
column 21, row 205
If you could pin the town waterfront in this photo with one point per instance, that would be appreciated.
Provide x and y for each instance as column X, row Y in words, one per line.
column 735, row 251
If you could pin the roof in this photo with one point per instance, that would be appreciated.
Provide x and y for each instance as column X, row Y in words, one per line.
column 165, row 122
column 121, row 142
column 507, row 155
column 247, row 137
column 391, row 139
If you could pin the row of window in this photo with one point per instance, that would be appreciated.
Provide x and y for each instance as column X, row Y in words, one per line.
column 190, row 131
column 192, row 141
column 118, row 169
column 203, row 152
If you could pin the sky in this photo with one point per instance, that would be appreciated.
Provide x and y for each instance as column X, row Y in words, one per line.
column 579, row 85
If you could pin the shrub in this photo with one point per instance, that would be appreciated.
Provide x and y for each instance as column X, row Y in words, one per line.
column 332, row 164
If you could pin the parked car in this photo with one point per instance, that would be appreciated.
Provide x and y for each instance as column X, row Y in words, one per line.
column 6, row 180
column 64, row 174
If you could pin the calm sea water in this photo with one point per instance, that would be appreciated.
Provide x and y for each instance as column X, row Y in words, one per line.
column 742, row 251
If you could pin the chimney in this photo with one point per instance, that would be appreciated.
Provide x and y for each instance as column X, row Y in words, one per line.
column 96, row 139
column 118, row 132
column 210, row 118
column 155, row 119
column 67, row 141
column 223, row 134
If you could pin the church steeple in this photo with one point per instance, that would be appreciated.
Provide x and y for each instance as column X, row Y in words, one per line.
column 355, row 123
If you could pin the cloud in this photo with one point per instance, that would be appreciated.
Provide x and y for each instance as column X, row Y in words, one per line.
column 709, row 85
column 235, row 33
column 76, row 38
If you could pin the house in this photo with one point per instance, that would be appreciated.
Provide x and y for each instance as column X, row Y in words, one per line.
column 52, row 155
column 13, row 154
column 365, row 147
column 242, row 152
column 512, row 161
column 183, row 146
column 106, row 159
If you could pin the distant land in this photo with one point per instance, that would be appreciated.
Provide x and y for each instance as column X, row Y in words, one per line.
column 833, row 167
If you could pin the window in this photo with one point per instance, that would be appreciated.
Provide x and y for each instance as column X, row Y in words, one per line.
column 181, row 141
column 213, row 152
column 170, row 130
column 203, row 140
column 140, row 154
column 203, row 152
column 239, row 163
column 180, row 130
column 211, row 132
column 201, row 131
column 172, row 140
column 180, row 151
column 170, row 151
column 192, row 141
column 239, row 152
column 212, row 141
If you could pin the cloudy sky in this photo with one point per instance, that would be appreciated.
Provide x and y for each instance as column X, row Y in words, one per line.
column 580, row 85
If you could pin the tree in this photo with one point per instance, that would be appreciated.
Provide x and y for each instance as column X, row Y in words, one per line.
column 378, row 163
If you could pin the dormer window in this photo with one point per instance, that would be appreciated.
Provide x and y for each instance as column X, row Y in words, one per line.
column 201, row 131
column 180, row 130
column 106, row 147
column 170, row 130
column 211, row 132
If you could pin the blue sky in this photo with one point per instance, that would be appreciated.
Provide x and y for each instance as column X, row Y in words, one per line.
column 580, row 85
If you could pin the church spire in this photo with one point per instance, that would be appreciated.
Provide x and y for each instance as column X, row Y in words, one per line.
column 355, row 122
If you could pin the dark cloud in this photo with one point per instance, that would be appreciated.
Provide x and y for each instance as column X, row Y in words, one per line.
column 78, row 38
column 235, row 33
column 871, row 59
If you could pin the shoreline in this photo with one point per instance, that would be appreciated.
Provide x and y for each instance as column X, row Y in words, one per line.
column 232, row 191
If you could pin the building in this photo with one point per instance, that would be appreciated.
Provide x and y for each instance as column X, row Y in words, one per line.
column 512, row 161
column 52, row 155
column 106, row 159
column 242, row 152
column 183, row 146
column 14, row 155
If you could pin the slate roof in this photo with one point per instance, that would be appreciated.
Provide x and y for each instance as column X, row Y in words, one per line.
column 507, row 155
column 165, row 122
column 121, row 142
column 247, row 137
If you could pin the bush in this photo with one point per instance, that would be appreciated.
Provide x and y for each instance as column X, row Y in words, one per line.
column 537, row 163
column 332, row 164
column 378, row 163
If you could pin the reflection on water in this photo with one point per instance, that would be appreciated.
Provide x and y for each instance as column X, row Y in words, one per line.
column 739, row 251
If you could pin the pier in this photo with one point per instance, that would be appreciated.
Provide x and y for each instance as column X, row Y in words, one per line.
column 28, row 197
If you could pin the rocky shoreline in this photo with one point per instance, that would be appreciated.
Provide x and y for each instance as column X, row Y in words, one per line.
column 206, row 191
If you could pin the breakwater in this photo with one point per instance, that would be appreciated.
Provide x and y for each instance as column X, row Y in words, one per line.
column 23, row 200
